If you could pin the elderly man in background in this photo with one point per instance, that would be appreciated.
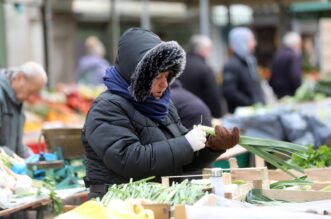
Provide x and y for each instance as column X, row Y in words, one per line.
column 198, row 77
column 16, row 86
column 286, row 67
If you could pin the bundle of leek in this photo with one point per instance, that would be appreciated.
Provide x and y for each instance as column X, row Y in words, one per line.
column 268, row 150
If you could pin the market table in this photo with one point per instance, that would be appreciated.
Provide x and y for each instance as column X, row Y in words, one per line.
column 33, row 205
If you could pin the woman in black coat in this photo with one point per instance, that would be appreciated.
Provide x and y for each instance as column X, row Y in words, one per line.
column 133, row 130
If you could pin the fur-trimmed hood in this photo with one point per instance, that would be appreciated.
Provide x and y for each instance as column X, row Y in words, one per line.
column 142, row 56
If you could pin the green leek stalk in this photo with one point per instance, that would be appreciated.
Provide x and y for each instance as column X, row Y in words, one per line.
column 266, row 149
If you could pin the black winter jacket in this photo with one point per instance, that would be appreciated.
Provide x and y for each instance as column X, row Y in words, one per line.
column 122, row 143
column 239, row 87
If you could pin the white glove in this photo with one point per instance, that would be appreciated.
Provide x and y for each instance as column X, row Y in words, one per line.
column 197, row 138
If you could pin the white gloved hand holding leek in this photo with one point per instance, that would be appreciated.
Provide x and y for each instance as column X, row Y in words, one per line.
column 197, row 138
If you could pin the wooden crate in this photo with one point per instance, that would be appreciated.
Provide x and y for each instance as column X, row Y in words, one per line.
column 296, row 196
column 321, row 177
column 161, row 211
column 239, row 193
column 246, row 174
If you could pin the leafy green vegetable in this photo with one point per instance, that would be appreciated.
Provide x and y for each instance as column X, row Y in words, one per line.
column 302, row 183
column 57, row 204
column 255, row 196
column 305, row 92
column 320, row 157
column 268, row 150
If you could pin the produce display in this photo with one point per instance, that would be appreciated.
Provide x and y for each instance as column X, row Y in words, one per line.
column 16, row 189
column 124, row 200
column 67, row 104
column 14, row 186
column 178, row 193
column 311, row 90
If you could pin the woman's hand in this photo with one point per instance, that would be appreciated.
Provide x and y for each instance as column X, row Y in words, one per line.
column 197, row 138
column 224, row 139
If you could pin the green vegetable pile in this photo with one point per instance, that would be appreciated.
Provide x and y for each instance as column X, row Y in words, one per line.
column 256, row 197
column 320, row 157
column 178, row 193
column 301, row 183
column 313, row 91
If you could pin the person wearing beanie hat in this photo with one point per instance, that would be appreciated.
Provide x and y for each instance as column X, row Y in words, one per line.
column 132, row 130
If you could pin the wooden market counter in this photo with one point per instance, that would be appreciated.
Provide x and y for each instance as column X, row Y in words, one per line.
column 33, row 205
column 39, row 204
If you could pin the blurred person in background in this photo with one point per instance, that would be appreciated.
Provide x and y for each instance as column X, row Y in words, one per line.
column 191, row 109
column 286, row 66
column 91, row 67
column 198, row 77
column 16, row 86
column 242, row 84
column 132, row 130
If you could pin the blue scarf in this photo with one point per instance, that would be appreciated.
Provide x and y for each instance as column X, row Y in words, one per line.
column 157, row 110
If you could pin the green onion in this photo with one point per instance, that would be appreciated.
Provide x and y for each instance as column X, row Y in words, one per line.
column 255, row 196
column 268, row 150
column 178, row 193
column 300, row 182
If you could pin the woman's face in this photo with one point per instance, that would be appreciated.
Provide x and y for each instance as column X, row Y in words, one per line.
column 159, row 85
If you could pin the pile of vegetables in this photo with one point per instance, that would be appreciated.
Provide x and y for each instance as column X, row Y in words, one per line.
column 312, row 91
column 256, row 197
column 269, row 149
column 178, row 193
column 124, row 200
column 14, row 186
column 294, row 184
column 321, row 157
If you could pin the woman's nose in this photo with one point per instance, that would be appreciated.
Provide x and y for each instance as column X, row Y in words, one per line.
column 164, row 82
